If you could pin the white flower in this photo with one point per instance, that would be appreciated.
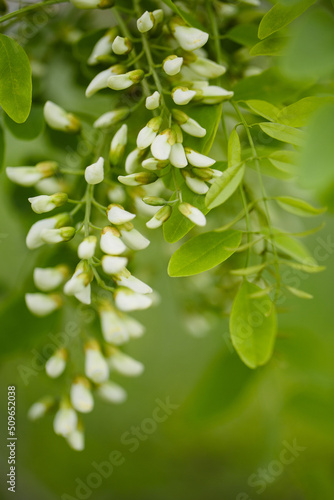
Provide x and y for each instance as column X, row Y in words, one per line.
column 48, row 278
column 192, row 213
column 196, row 185
column 118, row 215
column 57, row 235
column 153, row 101
column 132, row 161
column 127, row 300
column 96, row 367
column 44, row 203
column 147, row 134
column 214, row 94
column 94, row 174
column 65, row 421
column 113, row 265
column 124, row 81
column 135, row 329
column 177, row 156
column 138, row 179
column 102, row 48
column 56, row 365
column 172, row 65
column 197, row 159
column 162, row 144
column 84, row 295
column 145, row 22
column 58, row 119
column 125, row 365
column 76, row 440
column 39, row 409
column 134, row 239
column 111, row 392
column 29, row 176
column 153, row 164
column 190, row 38
column 121, row 45
column 34, row 239
column 110, row 242
column 113, row 328
column 100, row 81
column 41, row 304
column 128, row 281
column 118, row 143
column 160, row 217
column 86, row 249
column 111, row 118
column 158, row 15
column 79, row 285
column 182, row 95
column 81, row 396
column 192, row 127
column 206, row 68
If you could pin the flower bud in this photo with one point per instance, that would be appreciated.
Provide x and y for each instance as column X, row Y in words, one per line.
column 113, row 329
column 58, row 119
column 206, row 68
column 48, row 278
column 86, row 249
column 153, row 164
column 34, row 236
column 124, row 364
column 139, row 179
column 145, row 22
column 110, row 242
column 127, row 300
column 40, row 408
column 52, row 236
column 197, row 159
column 160, row 217
column 187, row 37
column 182, row 95
column 134, row 239
column 102, row 48
column 93, row 4
column 44, row 203
column 100, row 81
column 113, row 265
column 94, row 174
column 125, row 279
column 214, row 94
column 158, row 15
column 188, row 125
column 76, row 439
column 153, row 101
column 154, row 201
column 147, row 134
column 177, row 156
column 111, row 392
column 192, row 213
column 132, row 162
column 118, row 143
column 111, row 118
column 206, row 174
column 117, row 215
column 81, row 396
column 162, row 144
column 65, row 421
column 41, row 304
column 121, row 45
column 96, row 367
column 124, row 81
column 56, row 365
column 172, row 65
column 195, row 184
column 80, row 280
column 29, row 176
column 135, row 329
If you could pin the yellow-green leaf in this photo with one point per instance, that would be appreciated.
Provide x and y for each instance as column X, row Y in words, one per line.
column 298, row 207
column 283, row 133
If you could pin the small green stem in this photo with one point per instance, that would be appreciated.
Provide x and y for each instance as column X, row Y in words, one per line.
column 29, row 8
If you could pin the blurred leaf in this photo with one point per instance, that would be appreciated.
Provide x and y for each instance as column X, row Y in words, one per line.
column 82, row 49
column 225, row 186
column 269, row 47
column 253, row 326
column 291, row 247
column 263, row 108
column 283, row 133
column 298, row 207
column 244, row 34
column 248, row 271
column 15, row 80
column 309, row 54
column 285, row 160
column 2, row 147
column 203, row 252
column 31, row 128
column 281, row 15
column 299, row 113
column 299, row 293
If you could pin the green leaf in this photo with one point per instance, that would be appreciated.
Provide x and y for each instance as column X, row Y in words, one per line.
column 299, row 113
column 283, row 133
column 2, row 148
column 15, row 80
column 298, row 207
column 291, row 247
column 31, row 128
column 304, row 267
column 299, row 293
column 225, row 186
column 253, row 326
column 263, row 108
column 280, row 16
column 244, row 34
column 285, row 160
column 269, row 47
column 203, row 252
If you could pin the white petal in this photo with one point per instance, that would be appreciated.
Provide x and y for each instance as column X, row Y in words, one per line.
column 113, row 329
column 182, row 97
column 81, row 398
column 196, row 185
column 111, row 244
column 117, row 215
column 160, row 147
column 190, row 38
column 113, row 265
column 177, row 156
column 112, row 392
column 134, row 284
column 125, row 365
column 41, row 304
column 145, row 137
column 198, row 160
column 96, row 367
column 94, row 174
column 131, row 301
column 134, row 239
column 48, row 278
column 65, row 421
column 153, row 101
